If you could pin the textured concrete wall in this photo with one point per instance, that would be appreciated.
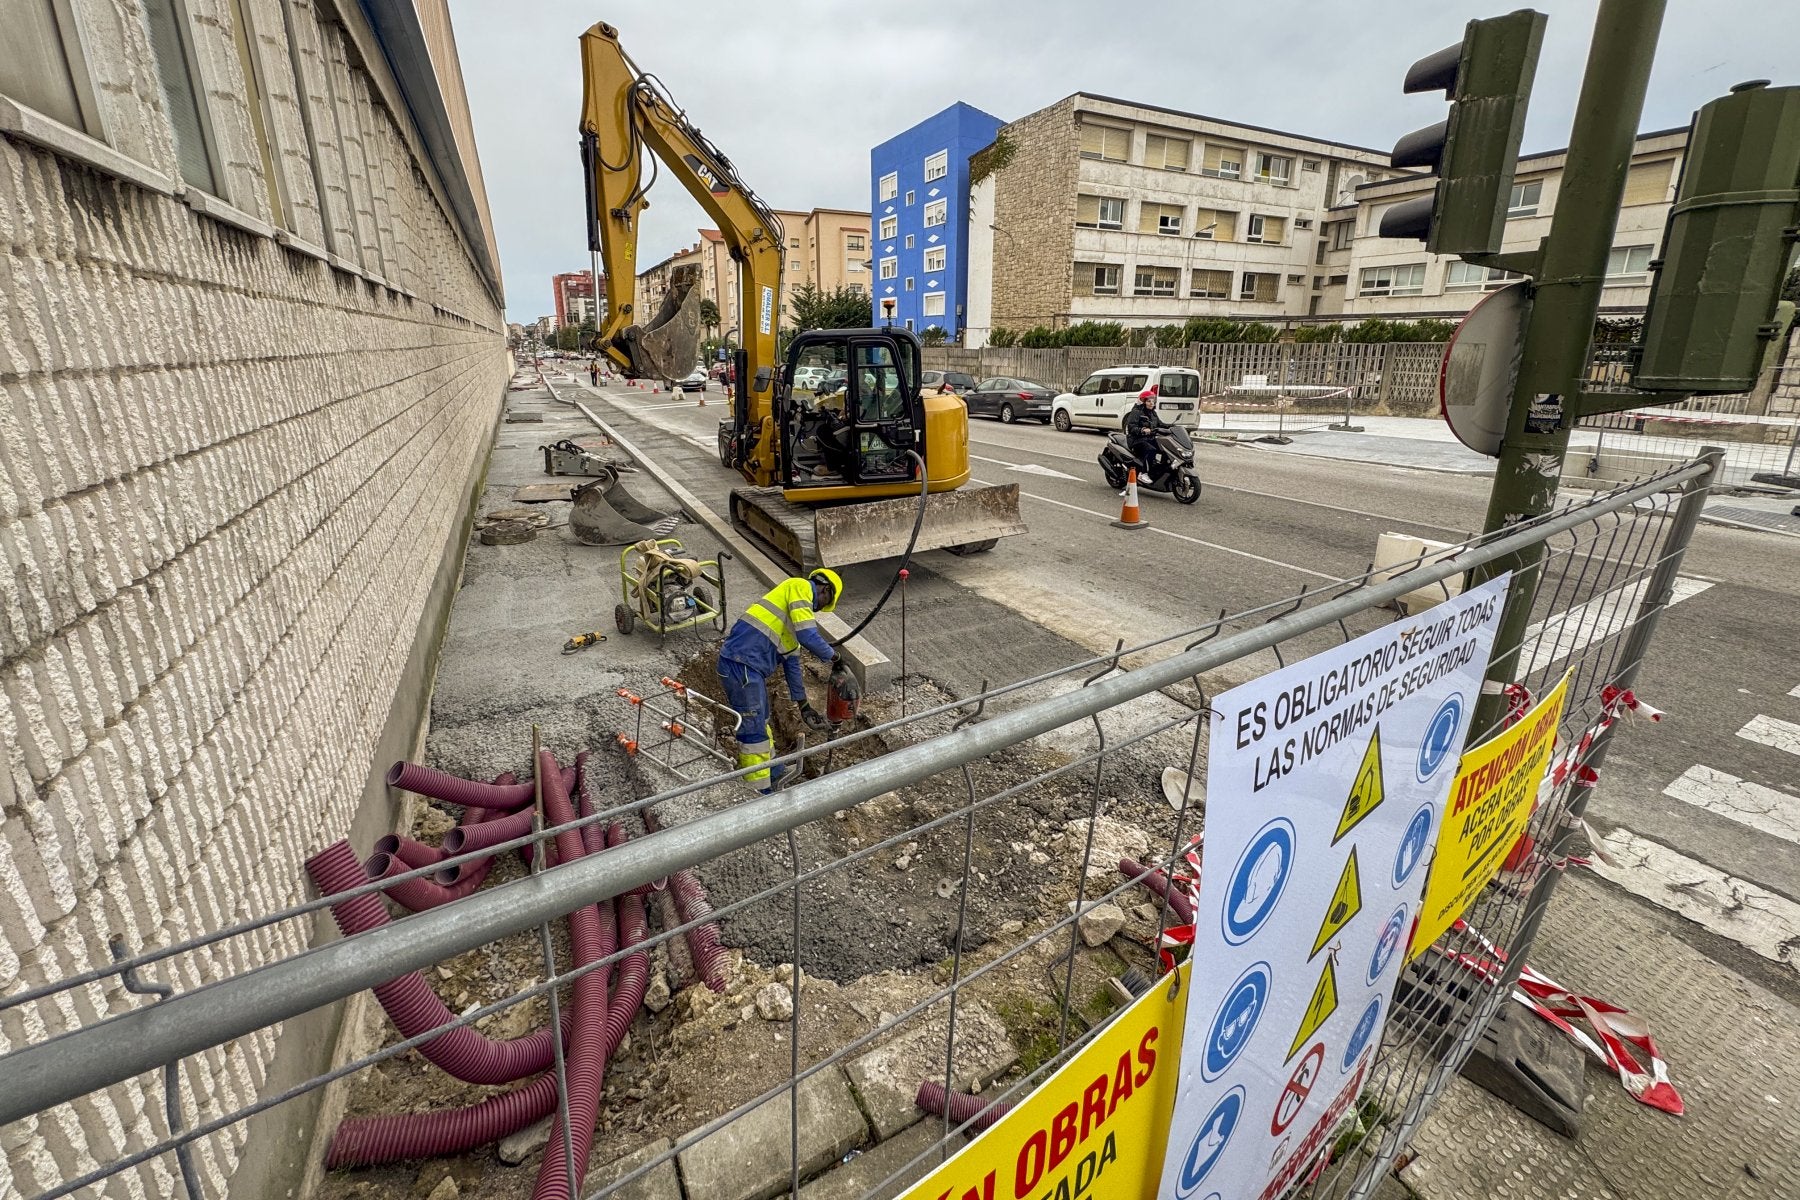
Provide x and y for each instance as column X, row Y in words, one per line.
column 229, row 472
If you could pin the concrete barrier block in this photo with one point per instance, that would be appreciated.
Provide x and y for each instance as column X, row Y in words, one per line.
column 749, row 1158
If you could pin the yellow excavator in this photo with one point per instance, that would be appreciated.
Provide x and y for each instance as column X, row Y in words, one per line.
column 847, row 461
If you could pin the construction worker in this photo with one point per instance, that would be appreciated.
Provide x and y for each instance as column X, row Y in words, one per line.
column 769, row 636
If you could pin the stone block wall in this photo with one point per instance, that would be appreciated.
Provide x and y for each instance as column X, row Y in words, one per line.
column 1034, row 215
column 230, row 469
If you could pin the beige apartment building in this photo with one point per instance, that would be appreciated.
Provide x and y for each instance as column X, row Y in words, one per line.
column 1369, row 275
column 1097, row 209
column 827, row 247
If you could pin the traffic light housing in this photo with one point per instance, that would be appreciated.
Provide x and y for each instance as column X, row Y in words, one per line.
column 1727, row 246
column 1488, row 77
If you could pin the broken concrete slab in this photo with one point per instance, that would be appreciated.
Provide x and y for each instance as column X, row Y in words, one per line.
column 1097, row 922
column 887, row 1078
column 658, row 1183
column 1113, row 840
column 860, row 1176
column 749, row 1158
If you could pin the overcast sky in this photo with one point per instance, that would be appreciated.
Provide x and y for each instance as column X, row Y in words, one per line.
column 796, row 92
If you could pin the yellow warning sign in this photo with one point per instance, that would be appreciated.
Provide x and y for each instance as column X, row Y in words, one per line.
column 1346, row 902
column 1324, row 1002
column 1366, row 793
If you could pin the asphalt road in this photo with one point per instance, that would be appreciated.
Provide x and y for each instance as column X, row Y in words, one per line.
column 1704, row 800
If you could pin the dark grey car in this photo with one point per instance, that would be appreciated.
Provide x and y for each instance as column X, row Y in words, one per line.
column 1010, row 400
column 946, row 382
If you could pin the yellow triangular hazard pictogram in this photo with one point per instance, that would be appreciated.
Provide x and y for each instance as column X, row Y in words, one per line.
column 1346, row 902
column 1366, row 792
column 1324, row 1002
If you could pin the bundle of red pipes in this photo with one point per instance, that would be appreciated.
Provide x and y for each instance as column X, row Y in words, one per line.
column 591, row 1029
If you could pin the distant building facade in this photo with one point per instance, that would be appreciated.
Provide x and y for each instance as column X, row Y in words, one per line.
column 826, row 247
column 919, row 216
column 573, row 295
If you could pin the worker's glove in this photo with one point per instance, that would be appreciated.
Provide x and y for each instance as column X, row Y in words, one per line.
column 815, row 720
column 843, row 681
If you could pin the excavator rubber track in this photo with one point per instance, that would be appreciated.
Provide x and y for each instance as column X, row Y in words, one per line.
column 965, row 521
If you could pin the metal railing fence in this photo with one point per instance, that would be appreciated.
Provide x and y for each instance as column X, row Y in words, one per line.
column 970, row 773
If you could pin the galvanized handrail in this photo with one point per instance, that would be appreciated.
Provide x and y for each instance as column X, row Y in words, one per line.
column 73, row 1064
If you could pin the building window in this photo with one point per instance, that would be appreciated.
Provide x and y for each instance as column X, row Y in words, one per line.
column 1467, row 277
column 1096, row 279
column 1105, row 142
column 1318, row 283
column 934, row 258
column 1267, row 230
column 1648, row 183
column 171, row 44
column 1155, row 281
column 1274, row 168
column 909, row 241
column 1296, row 279
column 1160, row 218
column 936, row 213
column 1209, row 285
column 853, row 241
column 909, row 283
column 890, row 268
column 909, row 322
column 793, row 264
column 856, row 289
column 937, row 166
column 1222, row 162
column 1302, row 222
column 41, row 64
column 1167, row 153
column 1524, row 199
column 931, row 304
column 1309, row 164
column 1260, row 286
column 1628, row 260
column 793, row 243
column 890, row 185
column 1406, row 280
column 1100, row 212
column 1342, row 234
column 889, row 227
column 1215, row 225
column 909, row 197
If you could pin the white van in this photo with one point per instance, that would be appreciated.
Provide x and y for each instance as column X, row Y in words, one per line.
column 1105, row 397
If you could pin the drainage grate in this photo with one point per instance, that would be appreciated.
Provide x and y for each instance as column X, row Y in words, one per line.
column 1779, row 522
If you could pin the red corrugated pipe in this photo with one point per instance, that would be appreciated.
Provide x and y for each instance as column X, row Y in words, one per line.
column 413, row 854
column 691, row 904
column 464, row 1052
column 634, row 969
column 1158, row 882
column 963, row 1108
column 429, row 781
column 497, row 829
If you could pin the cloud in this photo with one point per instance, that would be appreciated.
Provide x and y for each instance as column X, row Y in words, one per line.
column 797, row 93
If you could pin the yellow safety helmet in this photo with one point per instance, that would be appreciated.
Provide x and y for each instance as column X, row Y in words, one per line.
column 829, row 578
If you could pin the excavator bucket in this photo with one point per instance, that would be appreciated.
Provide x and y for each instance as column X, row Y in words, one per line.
column 606, row 514
column 669, row 346
column 965, row 521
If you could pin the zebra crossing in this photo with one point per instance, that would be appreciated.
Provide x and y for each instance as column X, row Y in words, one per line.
column 1756, row 917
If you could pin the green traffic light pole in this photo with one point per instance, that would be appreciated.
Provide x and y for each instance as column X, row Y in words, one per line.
column 1569, row 269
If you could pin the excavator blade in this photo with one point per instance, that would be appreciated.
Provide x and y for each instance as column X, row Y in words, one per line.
column 669, row 346
column 605, row 514
column 965, row 521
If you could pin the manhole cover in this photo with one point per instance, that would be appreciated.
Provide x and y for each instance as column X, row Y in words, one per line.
column 507, row 533
column 517, row 512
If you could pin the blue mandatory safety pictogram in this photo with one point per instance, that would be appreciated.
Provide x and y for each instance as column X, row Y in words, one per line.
column 1362, row 1034
column 1235, row 1021
column 1209, row 1143
column 1412, row 845
column 1261, row 874
column 1439, row 745
column 1392, row 934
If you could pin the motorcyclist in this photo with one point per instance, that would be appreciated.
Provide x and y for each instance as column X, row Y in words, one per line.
column 1142, row 425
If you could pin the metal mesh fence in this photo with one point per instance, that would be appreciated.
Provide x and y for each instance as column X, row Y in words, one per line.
column 910, row 908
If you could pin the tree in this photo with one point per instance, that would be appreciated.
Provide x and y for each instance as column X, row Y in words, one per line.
column 841, row 308
column 932, row 335
column 709, row 314
column 1001, row 338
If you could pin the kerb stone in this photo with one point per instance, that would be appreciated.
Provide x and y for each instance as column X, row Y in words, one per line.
column 887, row 1078
column 748, row 1159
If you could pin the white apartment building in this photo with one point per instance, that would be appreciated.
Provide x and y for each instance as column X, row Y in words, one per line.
column 1098, row 209
column 1369, row 275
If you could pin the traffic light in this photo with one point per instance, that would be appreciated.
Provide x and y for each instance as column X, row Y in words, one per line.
column 1487, row 77
column 1727, row 245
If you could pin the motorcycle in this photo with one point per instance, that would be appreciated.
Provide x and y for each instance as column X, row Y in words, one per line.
column 1176, row 476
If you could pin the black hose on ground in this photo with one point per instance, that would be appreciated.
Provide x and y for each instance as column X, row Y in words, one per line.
column 906, row 557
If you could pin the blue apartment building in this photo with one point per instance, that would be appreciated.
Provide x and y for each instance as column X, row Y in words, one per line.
column 919, row 214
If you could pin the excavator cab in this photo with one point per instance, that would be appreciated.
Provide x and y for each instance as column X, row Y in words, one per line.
column 849, row 408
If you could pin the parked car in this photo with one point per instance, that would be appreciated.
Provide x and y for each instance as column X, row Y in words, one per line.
column 1010, row 400
column 693, row 381
column 1105, row 398
column 946, row 381
column 809, row 378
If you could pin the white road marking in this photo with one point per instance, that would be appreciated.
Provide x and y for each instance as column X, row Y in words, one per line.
column 1796, row 691
column 1027, row 468
column 1761, row 808
column 1751, row 916
column 1767, row 731
column 1562, row 634
column 1273, row 562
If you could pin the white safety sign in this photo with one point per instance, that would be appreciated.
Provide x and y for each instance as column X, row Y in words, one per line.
column 1325, row 782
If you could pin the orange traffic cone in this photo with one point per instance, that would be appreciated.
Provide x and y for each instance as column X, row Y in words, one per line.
column 1129, row 517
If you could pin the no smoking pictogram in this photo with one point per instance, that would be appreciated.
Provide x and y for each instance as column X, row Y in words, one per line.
column 1299, row 1087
